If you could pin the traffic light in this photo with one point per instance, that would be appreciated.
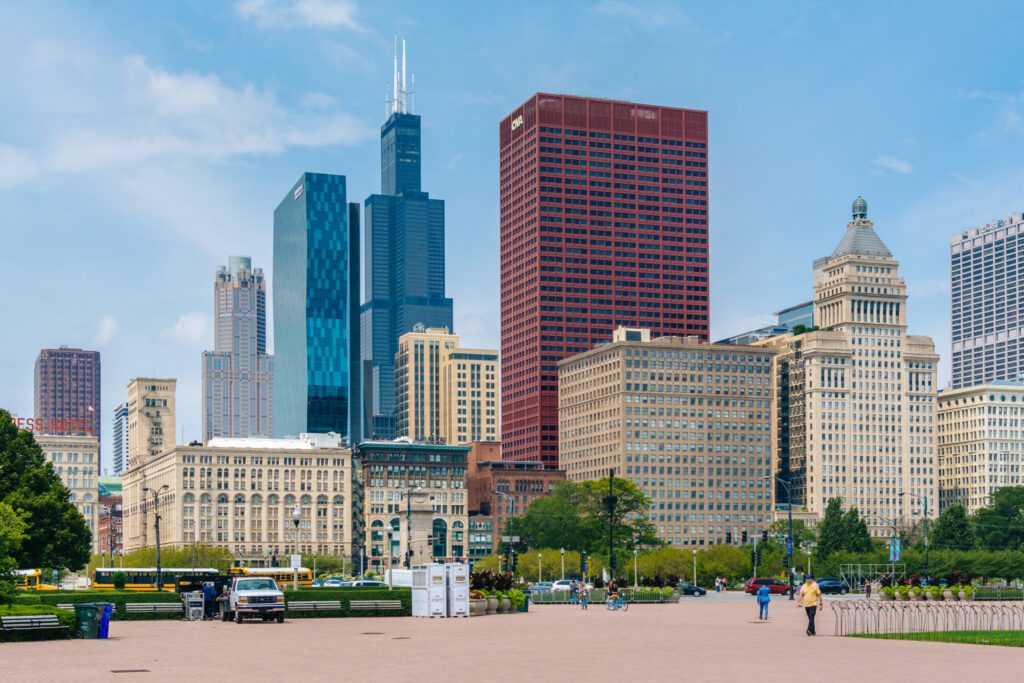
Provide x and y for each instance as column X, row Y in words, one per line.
column 515, row 560
column 744, row 537
column 728, row 538
column 764, row 536
column 753, row 560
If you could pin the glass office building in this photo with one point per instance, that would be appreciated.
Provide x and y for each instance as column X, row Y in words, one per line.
column 316, row 321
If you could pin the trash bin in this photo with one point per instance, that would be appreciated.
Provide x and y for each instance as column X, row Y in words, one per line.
column 87, row 615
column 108, row 610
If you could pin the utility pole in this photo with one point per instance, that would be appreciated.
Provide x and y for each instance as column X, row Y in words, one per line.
column 789, row 539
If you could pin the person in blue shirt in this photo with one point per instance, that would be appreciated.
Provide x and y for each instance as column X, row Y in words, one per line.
column 764, row 596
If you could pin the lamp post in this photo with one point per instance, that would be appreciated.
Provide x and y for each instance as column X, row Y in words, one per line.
column 635, row 551
column 110, row 531
column 156, row 512
column 392, row 532
column 296, row 520
column 694, row 566
column 925, row 515
column 789, row 539
column 540, row 575
column 563, row 564
column 408, row 525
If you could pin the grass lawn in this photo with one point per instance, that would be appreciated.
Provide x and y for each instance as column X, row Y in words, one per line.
column 1006, row 638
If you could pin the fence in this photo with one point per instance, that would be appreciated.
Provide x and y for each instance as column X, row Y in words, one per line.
column 597, row 595
column 962, row 621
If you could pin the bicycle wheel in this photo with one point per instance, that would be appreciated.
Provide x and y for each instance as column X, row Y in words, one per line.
column 610, row 605
column 625, row 606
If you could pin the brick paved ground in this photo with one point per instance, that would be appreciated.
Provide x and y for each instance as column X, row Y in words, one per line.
column 703, row 639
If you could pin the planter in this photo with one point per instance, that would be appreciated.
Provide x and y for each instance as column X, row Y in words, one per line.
column 506, row 606
column 964, row 596
column 477, row 608
column 948, row 595
column 917, row 596
column 492, row 605
column 903, row 596
column 887, row 596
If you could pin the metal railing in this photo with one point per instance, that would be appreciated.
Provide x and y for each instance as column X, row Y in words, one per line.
column 597, row 595
column 1000, row 623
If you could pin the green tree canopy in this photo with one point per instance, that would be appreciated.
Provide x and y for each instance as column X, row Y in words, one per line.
column 575, row 516
column 856, row 538
column 953, row 531
column 801, row 532
column 198, row 555
column 12, row 533
column 56, row 535
column 841, row 532
column 1000, row 526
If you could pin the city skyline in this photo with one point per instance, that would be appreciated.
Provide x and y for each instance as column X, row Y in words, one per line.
column 163, row 176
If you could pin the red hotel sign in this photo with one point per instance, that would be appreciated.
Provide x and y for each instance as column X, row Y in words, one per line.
column 53, row 426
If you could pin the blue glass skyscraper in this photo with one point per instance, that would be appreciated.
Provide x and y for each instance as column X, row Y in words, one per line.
column 404, row 261
column 316, row 320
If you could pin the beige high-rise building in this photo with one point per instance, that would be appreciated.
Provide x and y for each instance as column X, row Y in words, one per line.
column 687, row 422
column 445, row 393
column 856, row 408
column 241, row 494
column 76, row 461
column 980, row 443
column 150, row 418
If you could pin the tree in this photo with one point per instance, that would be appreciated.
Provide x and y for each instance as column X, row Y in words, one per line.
column 1000, row 526
column 575, row 517
column 12, row 532
column 856, row 538
column 801, row 532
column 953, row 531
column 56, row 535
column 198, row 555
column 831, row 530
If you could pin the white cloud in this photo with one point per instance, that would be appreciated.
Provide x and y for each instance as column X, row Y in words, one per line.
column 191, row 328
column 647, row 15
column 301, row 13
column 891, row 163
column 159, row 115
column 106, row 330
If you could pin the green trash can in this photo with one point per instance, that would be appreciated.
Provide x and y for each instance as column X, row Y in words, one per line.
column 88, row 615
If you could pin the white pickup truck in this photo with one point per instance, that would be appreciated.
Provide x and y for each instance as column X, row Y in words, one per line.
column 254, row 596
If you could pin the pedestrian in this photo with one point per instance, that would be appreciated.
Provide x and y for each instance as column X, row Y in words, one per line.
column 810, row 599
column 584, row 595
column 718, row 585
column 209, row 599
column 764, row 596
column 867, row 589
column 574, row 590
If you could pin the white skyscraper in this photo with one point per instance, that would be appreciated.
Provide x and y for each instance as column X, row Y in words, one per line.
column 238, row 373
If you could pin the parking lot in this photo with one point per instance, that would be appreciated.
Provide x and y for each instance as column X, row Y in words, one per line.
column 705, row 639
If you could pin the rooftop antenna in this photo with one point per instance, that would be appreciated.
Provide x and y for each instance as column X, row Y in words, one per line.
column 394, row 82
column 404, row 90
column 412, row 96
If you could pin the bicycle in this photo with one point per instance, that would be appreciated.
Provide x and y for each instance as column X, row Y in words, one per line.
column 618, row 603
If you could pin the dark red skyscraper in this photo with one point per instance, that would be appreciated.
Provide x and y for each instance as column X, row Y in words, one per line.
column 604, row 222
column 67, row 392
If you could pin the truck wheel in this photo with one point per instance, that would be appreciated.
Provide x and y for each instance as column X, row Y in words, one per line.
column 238, row 617
column 280, row 618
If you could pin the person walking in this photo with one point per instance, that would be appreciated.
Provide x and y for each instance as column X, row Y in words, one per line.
column 764, row 596
column 867, row 589
column 584, row 595
column 574, row 590
column 810, row 599
column 209, row 600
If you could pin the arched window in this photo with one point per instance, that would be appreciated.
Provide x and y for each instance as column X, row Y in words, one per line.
column 440, row 538
column 256, row 500
column 189, row 499
column 222, row 499
column 306, row 500
column 239, row 499
column 272, row 499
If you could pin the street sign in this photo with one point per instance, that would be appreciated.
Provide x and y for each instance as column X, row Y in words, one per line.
column 789, row 546
column 894, row 550
column 296, row 561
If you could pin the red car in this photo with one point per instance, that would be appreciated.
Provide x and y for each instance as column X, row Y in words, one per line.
column 774, row 585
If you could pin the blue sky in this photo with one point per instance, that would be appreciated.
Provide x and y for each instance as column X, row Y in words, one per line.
column 142, row 143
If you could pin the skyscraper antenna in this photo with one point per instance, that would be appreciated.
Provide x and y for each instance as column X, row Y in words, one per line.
column 404, row 90
column 412, row 95
column 394, row 82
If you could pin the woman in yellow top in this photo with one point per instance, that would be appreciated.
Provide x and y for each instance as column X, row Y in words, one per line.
column 810, row 599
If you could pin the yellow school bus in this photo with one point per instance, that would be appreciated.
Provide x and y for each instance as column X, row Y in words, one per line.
column 32, row 580
column 284, row 576
column 143, row 579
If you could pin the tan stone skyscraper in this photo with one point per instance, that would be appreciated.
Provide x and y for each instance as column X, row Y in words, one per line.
column 856, row 407
column 150, row 418
column 443, row 392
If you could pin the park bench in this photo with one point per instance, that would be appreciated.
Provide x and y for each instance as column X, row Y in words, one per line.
column 314, row 605
column 65, row 605
column 376, row 606
column 152, row 607
column 35, row 622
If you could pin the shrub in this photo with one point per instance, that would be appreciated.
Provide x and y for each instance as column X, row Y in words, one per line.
column 916, row 589
column 119, row 581
column 887, row 590
column 903, row 590
column 935, row 592
column 517, row 597
column 968, row 591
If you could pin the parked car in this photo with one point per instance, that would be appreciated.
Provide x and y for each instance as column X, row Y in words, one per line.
column 562, row 585
column 833, row 586
column 366, row 583
column 686, row 588
column 254, row 596
column 541, row 586
column 774, row 585
column 317, row 583
column 333, row 583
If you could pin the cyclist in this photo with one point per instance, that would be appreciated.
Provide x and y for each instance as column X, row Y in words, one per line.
column 613, row 592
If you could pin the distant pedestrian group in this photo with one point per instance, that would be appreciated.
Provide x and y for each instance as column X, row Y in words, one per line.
column 720, row 585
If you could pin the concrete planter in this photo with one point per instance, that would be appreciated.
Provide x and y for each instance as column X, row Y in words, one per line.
column 506, row 606
column 950, row 595
column 903, row 596
column 492, row 605
column 477, row 608
column 917, row 596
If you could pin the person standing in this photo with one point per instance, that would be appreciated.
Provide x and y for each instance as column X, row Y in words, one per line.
column 574, row 590
column 810, row 599
column 584, row 595
column 867, row 589
column 209, row 600
column 764, row 596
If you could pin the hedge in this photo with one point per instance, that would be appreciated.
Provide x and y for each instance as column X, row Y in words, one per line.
column 345, row 596
column 65, row 618
column 119, row 598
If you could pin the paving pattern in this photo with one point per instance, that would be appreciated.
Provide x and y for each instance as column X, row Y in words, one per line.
column 700, row 639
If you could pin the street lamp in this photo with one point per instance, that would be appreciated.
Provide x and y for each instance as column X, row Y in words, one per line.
column 635, row 551
column 789, row 539
column 156, row 512
column 540, row 575
column 694, row 566
column 296, row 520
column 407, row 494
column 925, row 515
column 110, row 531
column 563, row 564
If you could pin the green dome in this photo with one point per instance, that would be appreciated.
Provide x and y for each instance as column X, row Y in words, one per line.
column 860, row 208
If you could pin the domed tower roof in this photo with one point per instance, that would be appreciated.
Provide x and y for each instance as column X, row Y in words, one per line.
column 860, row 208
column 860, row 237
